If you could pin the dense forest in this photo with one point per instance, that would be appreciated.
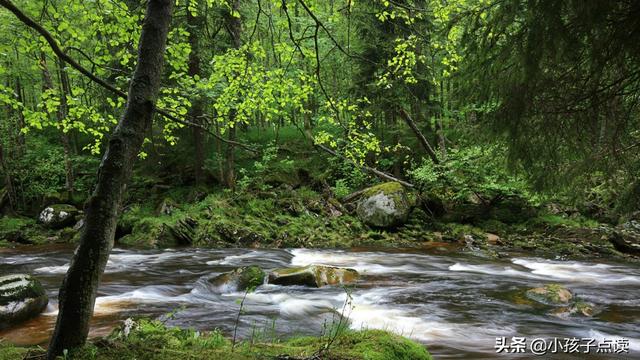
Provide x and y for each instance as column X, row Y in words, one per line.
column 474, row 128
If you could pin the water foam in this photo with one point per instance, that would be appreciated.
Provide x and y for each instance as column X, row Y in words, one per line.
column 579, row 272
column 365, row 262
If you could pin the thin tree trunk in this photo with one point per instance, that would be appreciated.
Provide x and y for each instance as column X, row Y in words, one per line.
column 230, row 160
column 442, row 144
column 20, row 142
column 61, row 114
column 80, row 285
column 195, row 24
column 219, row 152
column 234, row 26
column 8, row 183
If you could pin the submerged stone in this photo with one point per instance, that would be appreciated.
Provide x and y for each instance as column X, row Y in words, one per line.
column 240, row 279
column 21, row 298
column 313, row 276
column 384, row 206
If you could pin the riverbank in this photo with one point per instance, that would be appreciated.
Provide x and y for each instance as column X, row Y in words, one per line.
column 288, row 217
column 147, row 339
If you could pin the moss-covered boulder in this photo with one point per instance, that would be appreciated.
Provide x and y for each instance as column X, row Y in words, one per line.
column 313, row 276
column 58, row 216
column 21, row 298
column 626, row 237
column 550, row 294
column 384, row 206
column 239, row 279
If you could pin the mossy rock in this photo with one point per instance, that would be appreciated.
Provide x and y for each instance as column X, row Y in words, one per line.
column 550, row 294
column 21, row 298
column 19, row 230
column 240, row 279
column 58, row 216
column 384, row 206
column 313, row 276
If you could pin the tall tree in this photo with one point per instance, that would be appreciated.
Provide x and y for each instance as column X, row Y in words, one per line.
column 233, row 24
column 195, row 22
column 80, row 285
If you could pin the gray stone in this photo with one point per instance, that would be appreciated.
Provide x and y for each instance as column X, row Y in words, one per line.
column 384, row 206
column 22, row 297
column 58, row 216
column 313, row 276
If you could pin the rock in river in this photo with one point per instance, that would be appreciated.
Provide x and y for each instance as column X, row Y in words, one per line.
column 384, row 206
column 58, row 216
column 240, row 279
column 21, row 298
column 551, row 294
column 313, row 276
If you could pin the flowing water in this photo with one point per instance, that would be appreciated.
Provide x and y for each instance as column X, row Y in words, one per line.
column 455, row 304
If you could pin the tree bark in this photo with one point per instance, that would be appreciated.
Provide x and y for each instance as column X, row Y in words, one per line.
column 64, row 136
column 195, row 24
column 234, row 27
column 8, row 184
column 80, row 285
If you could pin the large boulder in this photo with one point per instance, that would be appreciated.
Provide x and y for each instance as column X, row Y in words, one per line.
column 239, row 279
column 58, row 216
column 313, row 276
column 626, row 237
column 21, row 298
column 384, row 206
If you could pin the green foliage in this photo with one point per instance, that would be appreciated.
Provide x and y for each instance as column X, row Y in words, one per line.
column 469, row 171
column 150, row 339
column 154, row 334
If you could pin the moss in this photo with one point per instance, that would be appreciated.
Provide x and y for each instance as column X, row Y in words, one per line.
column 387, row 188
column 9, row 352
column 22, row 230
column 550, row 294
column 552, row 220
column 152, row 340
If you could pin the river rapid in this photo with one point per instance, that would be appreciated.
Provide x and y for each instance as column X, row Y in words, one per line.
column 456, row 304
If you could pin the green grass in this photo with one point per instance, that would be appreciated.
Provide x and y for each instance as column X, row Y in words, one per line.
column 151, row 340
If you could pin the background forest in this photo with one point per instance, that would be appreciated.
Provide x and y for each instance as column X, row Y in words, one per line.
column 289, row 107
column 418, row 140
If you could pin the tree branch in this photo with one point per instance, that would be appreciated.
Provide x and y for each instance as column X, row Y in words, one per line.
column 423, row 141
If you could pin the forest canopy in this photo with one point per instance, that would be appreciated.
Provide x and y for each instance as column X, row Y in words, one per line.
column 541, row 95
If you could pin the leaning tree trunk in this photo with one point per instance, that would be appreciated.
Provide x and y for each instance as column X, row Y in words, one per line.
column 80, row 285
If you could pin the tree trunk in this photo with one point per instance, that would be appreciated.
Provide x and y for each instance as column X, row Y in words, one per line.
column 219, row 152
column 195, row 24
column 80, row 285
column 20, row 142
column 8, row 184
column 64, row 135
column 442, row 144
column 61, row 114
column 234, row 26
column 230, row 174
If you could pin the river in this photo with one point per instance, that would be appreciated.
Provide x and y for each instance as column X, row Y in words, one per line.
column 456, row 304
